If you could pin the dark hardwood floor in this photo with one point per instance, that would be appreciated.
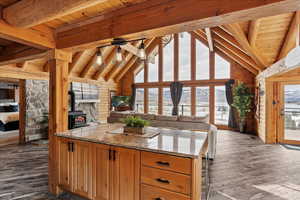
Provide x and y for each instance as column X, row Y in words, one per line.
column 244, row 169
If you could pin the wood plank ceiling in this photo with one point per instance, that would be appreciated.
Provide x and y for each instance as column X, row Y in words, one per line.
column 255, row 45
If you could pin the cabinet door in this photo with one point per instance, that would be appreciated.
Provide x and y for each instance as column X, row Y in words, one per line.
column 82, row 168
column 100, row 171
column 125, row 174
column 65, row 164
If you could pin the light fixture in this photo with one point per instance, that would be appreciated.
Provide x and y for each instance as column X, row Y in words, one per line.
column 142, row 53
column 99, row 60
column 119, row 54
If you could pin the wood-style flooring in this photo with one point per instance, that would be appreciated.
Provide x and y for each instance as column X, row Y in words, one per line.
column 244, row 169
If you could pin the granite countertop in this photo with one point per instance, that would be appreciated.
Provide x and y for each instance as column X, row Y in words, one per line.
column 182, row 143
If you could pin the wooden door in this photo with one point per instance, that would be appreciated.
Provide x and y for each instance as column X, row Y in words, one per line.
column 100, row 171
column 65, row 163
column 82, row 168
column 125, row 174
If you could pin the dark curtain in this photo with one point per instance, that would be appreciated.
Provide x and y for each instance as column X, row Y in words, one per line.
column 232, row 122
column 176, row 92
column 133, row 95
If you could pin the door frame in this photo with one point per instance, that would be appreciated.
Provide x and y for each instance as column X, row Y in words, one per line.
column 280, row 117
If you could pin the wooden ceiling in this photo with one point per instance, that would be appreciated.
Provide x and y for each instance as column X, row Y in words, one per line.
column 254, row 44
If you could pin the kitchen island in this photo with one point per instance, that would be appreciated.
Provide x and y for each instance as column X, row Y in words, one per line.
column 96, row 163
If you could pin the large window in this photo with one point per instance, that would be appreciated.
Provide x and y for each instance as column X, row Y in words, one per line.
column 184, row 56
column 202, row 61
column 167, row 102
column 185, row 102
column 202, row 101
column 139, row 100
column 153, row 66
column 221, row 106
column 139, row 77
column 153, row 100
column 222, row 68
column 168, row 61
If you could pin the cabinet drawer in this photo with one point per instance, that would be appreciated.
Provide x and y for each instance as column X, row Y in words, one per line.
column 166, row 179
column 172, row 163
column 153, row 193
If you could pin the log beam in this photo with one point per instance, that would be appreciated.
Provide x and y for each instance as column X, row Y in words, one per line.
column 209, row 39
column 28, row 13
column 253, row 31
column 75, row 60
column 290, row 38
column 162, row 17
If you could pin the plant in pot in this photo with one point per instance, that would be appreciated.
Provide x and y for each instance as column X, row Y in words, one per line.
column 242, row 101
column 135, row 125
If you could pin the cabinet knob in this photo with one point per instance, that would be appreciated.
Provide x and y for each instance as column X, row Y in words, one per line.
column 163, row 180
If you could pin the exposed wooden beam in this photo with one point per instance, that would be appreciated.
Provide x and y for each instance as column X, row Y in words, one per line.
column 240, row 36
column 75, row 59
column 290, row 38
column 209, row 39
column 107, row 65
column 131, row 48
column 161, row 17
column 22, row 56
column 253, row 31
column 88, row 66
column 40, row 37
column 225, row 50
column 22, row 64
column 28, row 13
column 18, row 73
column 149, row 48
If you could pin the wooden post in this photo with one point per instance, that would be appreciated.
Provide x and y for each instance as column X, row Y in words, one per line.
column 22, row 113
column 176, row 58
column 58, row 108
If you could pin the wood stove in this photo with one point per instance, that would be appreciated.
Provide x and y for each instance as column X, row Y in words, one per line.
column 77, row 119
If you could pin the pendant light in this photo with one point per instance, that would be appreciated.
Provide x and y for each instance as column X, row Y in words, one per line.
column 99, row 59
column 119, row 55
column 142, row 53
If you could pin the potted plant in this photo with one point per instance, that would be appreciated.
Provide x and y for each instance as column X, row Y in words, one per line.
column 242, row 101
column 135, row 125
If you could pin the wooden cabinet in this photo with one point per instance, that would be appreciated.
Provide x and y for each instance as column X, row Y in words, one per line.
column 75, row 167
column 99, row 172
column 125, row 174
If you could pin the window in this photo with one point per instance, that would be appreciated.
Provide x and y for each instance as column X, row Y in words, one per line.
column 139, row 100
column 168, row 61
column 153, row 66
column 167, row 102
column 202, row 61
column 184, row 56
column 153, row 100
column 222, row 68
column 185, row 102
column 139, row 77
column 202, row 101
column 221, row 106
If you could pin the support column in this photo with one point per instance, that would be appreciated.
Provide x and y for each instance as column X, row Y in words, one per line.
column 58, row 108
column 22, row 112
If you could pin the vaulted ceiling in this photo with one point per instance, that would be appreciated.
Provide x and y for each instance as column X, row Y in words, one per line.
column 255, row 44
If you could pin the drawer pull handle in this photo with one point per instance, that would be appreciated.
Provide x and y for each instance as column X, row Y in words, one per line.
column 163, row 181
column 159, row 198
column 163, row 163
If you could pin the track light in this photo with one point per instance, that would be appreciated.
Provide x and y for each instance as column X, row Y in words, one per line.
column 119, row 54
column 142, row 53
column 99, row 60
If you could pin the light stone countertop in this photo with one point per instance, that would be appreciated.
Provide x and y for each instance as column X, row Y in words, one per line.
column 182, row 143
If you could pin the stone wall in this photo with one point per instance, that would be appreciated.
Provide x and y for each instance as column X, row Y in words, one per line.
column 37, row 108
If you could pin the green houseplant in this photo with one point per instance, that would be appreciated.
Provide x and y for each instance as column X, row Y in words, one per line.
column 242, row 101
column 135, row 125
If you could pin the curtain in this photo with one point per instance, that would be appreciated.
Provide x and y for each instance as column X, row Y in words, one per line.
column 133, row 96
column 176, row 92
column 232, row 121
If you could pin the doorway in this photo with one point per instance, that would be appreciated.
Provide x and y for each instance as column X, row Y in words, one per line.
column 289, row 119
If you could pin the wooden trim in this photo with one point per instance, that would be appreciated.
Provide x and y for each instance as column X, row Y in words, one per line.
column 193, row 100
column 160, row 63
column 176, row 58
column 193, row 57
column 212, row 104
column 22, row 113
column 146, row 101
column 146, row 71
column 160, row 101
column 211, row 66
